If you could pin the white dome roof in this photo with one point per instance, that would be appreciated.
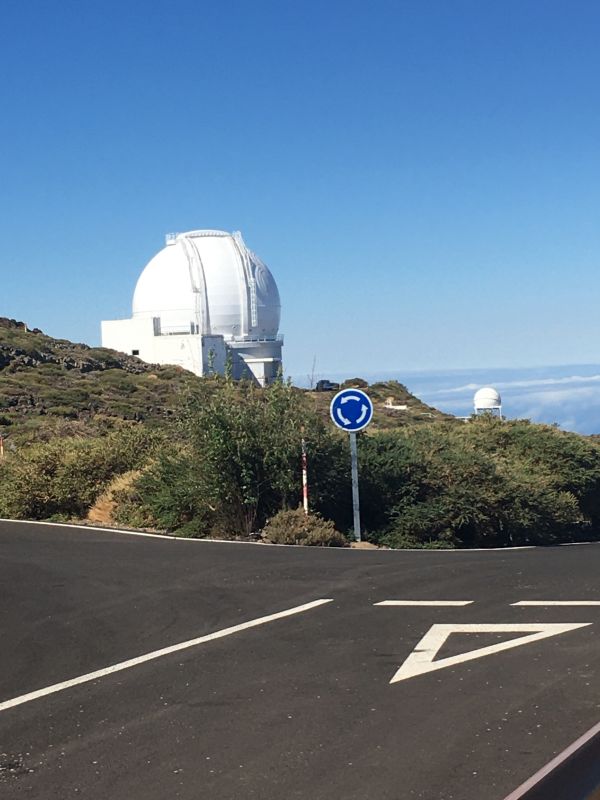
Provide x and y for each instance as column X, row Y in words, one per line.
column 487, row 398
column 209, row 278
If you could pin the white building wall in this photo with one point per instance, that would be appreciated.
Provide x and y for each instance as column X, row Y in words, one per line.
column 143, row 337
column 182, row 350
column 137, row 337
column 129, row 336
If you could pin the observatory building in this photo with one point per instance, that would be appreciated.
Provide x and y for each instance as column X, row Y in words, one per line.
column 205, row 300
column 487, row 401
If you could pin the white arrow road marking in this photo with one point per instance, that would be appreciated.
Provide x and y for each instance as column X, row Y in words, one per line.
column 348, row 397
column 424, row 603
column 363, row 413
column 341, row 417
column 421, row 659
column 557, row 603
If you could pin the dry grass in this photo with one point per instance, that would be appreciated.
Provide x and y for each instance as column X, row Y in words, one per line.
column 101, row 513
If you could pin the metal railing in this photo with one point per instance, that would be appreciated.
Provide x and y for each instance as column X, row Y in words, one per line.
column 243, row 339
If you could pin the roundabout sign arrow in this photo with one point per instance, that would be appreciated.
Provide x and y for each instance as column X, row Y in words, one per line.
column 351, row 410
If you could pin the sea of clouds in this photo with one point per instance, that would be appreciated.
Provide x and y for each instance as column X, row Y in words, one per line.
column 568, row 396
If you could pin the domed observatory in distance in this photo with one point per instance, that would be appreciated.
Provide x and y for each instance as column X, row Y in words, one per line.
column 203, row 299
column 488, row 401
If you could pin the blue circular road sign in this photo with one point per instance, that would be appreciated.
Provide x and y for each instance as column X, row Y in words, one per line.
column 351, row 410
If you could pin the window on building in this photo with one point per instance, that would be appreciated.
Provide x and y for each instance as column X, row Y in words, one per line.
column 135, row 352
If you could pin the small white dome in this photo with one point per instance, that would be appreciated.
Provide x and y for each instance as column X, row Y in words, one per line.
column 212, row 279
column 486, row 398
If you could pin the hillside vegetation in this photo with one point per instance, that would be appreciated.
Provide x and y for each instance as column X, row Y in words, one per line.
column 52, row 387
column 158, row 448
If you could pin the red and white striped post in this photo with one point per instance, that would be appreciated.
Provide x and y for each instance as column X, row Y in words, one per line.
column 304, row 475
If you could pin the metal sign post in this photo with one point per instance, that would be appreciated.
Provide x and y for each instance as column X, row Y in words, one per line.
column 352, row 410
column 355, row 496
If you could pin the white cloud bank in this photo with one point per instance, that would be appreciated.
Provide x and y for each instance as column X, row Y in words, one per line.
column 571, row 401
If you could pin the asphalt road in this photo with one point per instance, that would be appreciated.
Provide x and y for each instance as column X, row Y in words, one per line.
column 297, row 706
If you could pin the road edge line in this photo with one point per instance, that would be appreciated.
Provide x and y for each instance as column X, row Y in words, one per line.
column 520, row 793
column 173, row 538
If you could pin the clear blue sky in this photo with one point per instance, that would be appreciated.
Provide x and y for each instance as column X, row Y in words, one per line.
column 423, row 178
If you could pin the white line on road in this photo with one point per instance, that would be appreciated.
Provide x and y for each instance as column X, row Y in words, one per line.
column 444, row 603
column 174, row 648
column 567, row 754
column 557, row 603
column 172, row 538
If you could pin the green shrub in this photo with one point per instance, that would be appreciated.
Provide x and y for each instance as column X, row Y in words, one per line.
column 489, row 484
column 65, row 412
column 295, row 527
column 231, row 460
column 167, row 493
column 237, row 460
column 65, row 476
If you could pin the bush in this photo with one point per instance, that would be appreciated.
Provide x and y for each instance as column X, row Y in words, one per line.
column 295, row 527
column 233, row 462
column 65, row 476
column 166, row 496
column 488, row 484
column 237, row 461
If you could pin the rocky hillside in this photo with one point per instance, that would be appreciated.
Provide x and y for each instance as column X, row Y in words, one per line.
column 393, row 405
column 51, row 387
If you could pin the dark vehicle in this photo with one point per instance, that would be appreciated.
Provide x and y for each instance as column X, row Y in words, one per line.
column 326, row 386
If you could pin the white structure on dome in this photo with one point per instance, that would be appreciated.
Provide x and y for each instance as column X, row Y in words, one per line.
column 487, row 401
column 204, row 299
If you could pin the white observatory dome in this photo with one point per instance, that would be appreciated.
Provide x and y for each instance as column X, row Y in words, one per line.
column 486, row 399
column 213, row 279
